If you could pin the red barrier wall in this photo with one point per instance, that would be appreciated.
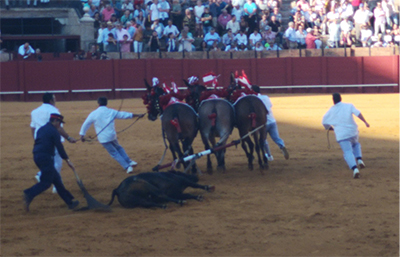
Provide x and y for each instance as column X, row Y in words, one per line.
column 83, row 80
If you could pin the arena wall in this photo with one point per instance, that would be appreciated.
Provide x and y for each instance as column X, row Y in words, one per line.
column 121, row 78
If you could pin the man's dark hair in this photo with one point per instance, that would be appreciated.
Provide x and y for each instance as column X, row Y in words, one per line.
column 47, row 97
column 102, row 101
column 336, row 98
column 255, row 88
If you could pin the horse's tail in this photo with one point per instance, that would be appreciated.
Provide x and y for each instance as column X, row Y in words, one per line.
column 114, row 193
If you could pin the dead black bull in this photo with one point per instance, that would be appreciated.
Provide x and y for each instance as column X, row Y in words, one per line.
column 154, row 189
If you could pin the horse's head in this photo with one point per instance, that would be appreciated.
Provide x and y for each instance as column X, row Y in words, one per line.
column 152, row 101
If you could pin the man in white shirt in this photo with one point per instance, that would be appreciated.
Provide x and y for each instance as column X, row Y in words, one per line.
column 39, row 117
column 361, row 16
column 254, row 38
column 272, row 128
column 170, row 28
column 26, row 50
column 241, row 38
column 233, row 24
column 103, row 120
column 340, row 118
column 120, row 32
column 163, row 8
column 154, row 13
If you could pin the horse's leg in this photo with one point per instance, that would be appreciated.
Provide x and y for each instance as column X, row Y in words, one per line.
column 221, row 154
column 257, row 143
column 263, row 137
column 175, row 149
column 204, row 138
column 187, row 147
column 249, row 153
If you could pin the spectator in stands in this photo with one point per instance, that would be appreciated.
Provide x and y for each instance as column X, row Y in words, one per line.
column 277, row 14
column 366, row 34
column 170, row 28
column 212, row 37
column 110, row 29
column 38, row 55
column 233, row 25
column 312, row 41
column 361, row 17
column 206, row 19
column 158, row 27
column 125, row 44
column 390, row 13
column 290, row 36
column 117, row 6
column 345, row 32
column 185, row 40
column 112, row 45
column 259, row 47
column 198, row 12
column 26, row 50
column 80, row 55
column 346, row 10
column 276, row 29
column 138, row 39
column 334, row 33
column 163, row 8
column 237, row 11
column 126, row 17
column 268, row 37
column 395, row 33
column 176, row 14
column 154, row 42
column 131, row 27
column 140, row 19
column 93, row 10
column 233, row 47
column 241, row 39
column 214, row 12
column 223, row 20
column 243, row 24
column 171, row 43
column 227, row 40
column 262, row 5
column 215, row 47
column 113, row 18
column 250, row 12
column 107, row 12
column 263, row 22
column 154, row 12
column 301, row 37
column 242, row 47
column 138, row 9
column 189, row 21
column 254, row 38
column 380, row 20
column 127, row 5
column 120, row 32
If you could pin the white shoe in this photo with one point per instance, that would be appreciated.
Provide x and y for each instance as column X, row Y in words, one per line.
column 37, row 177
column 270, row 158
column 133, row 163
column 129, row 170
column 361, row 164
column 356, row 173
column 54, row 190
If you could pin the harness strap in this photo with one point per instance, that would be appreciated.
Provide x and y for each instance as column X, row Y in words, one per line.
column 212, row 117
column 175, row 123
column 253, row 116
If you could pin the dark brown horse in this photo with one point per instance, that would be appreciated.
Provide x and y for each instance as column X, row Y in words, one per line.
column 179, row 123
column 250, row 114
column 217, row 119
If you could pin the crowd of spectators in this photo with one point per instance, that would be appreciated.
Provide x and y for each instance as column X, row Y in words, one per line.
column 241, row 25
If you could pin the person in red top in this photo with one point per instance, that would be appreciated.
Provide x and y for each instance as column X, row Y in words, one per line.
column 312, row 41
column 107, row 12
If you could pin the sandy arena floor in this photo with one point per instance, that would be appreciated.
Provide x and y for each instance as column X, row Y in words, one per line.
column 308, row 205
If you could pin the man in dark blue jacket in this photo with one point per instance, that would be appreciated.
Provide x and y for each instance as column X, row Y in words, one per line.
column 47, row 140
